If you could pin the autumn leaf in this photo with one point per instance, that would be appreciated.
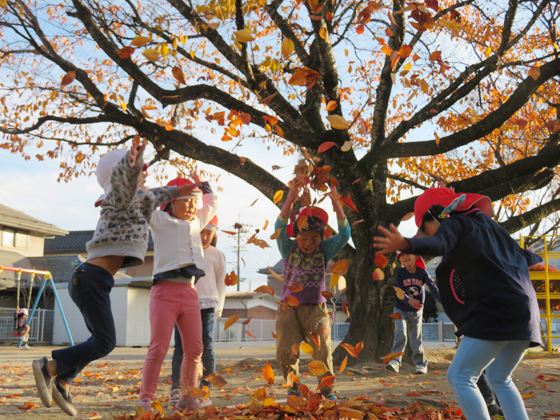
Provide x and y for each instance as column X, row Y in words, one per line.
column 269, row 98
column 331, row 106
column 278, row 196
column 292, row 301
column 178, row 74
column 126, row 52
column 231, row 279
column 553, row 125
column 151, row 54
column 295, row 287
column 276, row 276
column 316, row 339
column 317, row 368
column 350, row 349
column 287, row 47
column 199, row 393
column 296, row 403
column 302, row 223
column 396, row 316
column 326, row 146
column 304, row 77
column 306, row 348
column 345, row 308
column 381, row 261
column 276, row 234
column 350, row 413
column 435, row 56
column 268, row 373
column 247, row 320
column 260, row 394
column 405, row 51
column 326, row 381
column 68, row 78
column 327, row 294
column 265, row 289
column 249, row 334
column 392, row 356
column 230, row 321
column 343, row 365
column 328, row 232
column 528, row 396
column 243, row 36
column 216, row 380
column 362, row 127
column 140, row 41
column 378, row 274
column 338, row 122
column 347, row 201
column 229, row 232
column 253, row 203
column 323, row 33
column 346, row 146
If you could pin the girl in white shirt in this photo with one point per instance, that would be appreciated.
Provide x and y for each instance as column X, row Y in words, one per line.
column 178, row 264
column 211, row 291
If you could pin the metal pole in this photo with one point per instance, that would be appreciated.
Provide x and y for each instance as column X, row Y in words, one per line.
column 34, row 307
column 238, row 257
column 61, row 311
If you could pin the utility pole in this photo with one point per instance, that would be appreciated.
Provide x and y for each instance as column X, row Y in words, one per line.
column 239, row 227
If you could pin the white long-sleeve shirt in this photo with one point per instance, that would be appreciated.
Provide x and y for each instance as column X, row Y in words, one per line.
column 211, row 288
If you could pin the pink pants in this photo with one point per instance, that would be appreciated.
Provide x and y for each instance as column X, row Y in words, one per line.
column 170, row 304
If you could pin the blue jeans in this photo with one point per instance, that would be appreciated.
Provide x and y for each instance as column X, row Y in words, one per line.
column 413, row 322
column 208, row 357
column 499, row 358
column 89, row 288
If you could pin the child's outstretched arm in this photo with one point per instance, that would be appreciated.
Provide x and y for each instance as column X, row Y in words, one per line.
column 126, row 175
column 209, row 200
column 284, row 242
column 335, row 243
column 433, row 287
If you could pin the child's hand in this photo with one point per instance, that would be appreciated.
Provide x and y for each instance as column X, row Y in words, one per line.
column 293, row 191
column 136, row 150
column 393, row 241
column 415, row 303
column 186, row 190
column 334, row 194
column 195, row 176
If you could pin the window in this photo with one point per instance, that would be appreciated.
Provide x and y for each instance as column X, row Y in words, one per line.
column 8, row 237
column 22, row 240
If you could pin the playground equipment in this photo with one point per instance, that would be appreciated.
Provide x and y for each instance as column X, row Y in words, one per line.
column 547, row 275
column 47, row 277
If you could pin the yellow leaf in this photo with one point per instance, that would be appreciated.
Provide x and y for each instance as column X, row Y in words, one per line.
column 244, row 36
column 287, row 47
column 488, row 52
column 268, row 373
column 275, row 275
column 230, row 321
column 338, row 122
column 306, row 348
column 4, row 4
column 334, row 280
column 317, row 368
column 350, row 413
column 331, row 106
column 340, row 267
column 400, row 292
column 216, row 380
column 278, row 196
column 268, row 401
column 323, row 32
column 276, row 234
column 151, row 54
column 346, row 146
column 140, row 41
column 200, row 393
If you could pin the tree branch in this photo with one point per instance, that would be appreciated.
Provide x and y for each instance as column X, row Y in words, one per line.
column 516, row 223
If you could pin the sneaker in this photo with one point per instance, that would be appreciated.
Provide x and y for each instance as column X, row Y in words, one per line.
column 294, row 391
column 174, row 398
column 26, row 347
column 206, row 403
column 144, row 406
column 331, row 396
column 187, row 404
column 421, row 370
column 44, row 381
column 63, row 399
column 392, row 367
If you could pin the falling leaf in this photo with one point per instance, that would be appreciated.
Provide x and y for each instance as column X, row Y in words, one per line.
column 140, row 41
column 265, row 225
column 231, row 279
column 278, row 196
column 229, row 232
column 534, row 72
column 346, row 146
column 359, row 347
column 276, row 276
column 350, row 349
column 306, row 348
column 317, row 368
column 151, row 54
column 378, row 274
column 247, row 320
column 327, row 294
column 268, row 373
column 244, row 36
column 331, row 106
column 230, row 321
column 249, row 334
column 396, row 316
column 435, row 56
column 295, row 349
column 269, row 98
column 302, row 223
column 553, row 125
column 340, row 267
column 362, row 126
column 360, row 29
column 316, row 339
column 391, row 356
column 200, row 393
column 245, row 118
column 328, row 232
column 345, row 308
column 287, row 47
column 276, row 234
column 292, row 301
column 126, row 52
column 338, row 122
column 265, row 289
column 68, row 78
column 260, row 394
column 253, row 203
column 304, row 77
column 347, row 201
column 323, row 33
column 343, row 365
column 295, row 287
column 274, row 335
column 400, row 293
column 178, row 74
column 325, row 146
column 381, row 261
column 326, row 381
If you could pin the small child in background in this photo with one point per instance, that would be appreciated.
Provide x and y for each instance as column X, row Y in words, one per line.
column 120, row 240
column 22, row 329
column 411, row 278
column 211, row 290
column 305, row 264
column 178, row 265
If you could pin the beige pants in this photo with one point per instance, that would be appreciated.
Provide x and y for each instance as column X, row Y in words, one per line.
column 295, row 325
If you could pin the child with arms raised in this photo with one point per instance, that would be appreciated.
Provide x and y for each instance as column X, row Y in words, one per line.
column 178, row 264
column 485, row 289
column 411, row 278
column 305, row 264
column 120, row 240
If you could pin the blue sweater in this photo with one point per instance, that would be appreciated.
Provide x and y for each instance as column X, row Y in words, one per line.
column 413, row 286
column 483, row 279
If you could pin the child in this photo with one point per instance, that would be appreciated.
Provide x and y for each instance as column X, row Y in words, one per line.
column 485, row 289
column 411, row 278
column 22, row 329
column 305, row 264
column 211, row 290
column 120, row 240
column 178, row 264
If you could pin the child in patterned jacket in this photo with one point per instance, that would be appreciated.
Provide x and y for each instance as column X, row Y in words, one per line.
column 305, row 266
column 120, row 240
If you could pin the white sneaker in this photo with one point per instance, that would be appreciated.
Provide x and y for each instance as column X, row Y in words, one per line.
column 421, row 370
column 206, row 403
column 26, row 347
column 392, row 367
column 174, row 398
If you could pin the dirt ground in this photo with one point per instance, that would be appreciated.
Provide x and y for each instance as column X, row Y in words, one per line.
column 110, row 386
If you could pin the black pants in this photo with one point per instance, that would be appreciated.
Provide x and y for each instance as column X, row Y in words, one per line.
column 89, row 288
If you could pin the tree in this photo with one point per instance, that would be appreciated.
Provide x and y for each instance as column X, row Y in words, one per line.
column 481, row 75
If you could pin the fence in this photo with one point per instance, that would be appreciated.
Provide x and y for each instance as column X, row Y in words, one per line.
column 40, row 325
column 438, row 331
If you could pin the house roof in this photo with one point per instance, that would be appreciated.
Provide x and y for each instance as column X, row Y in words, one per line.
column 16, row 219
column 75, row 242
column 278, row 268
column 243, row 295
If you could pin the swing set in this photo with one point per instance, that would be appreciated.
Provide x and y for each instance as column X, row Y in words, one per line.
column 47, row 277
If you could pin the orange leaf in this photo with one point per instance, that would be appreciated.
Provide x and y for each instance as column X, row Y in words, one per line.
column 317, row 368
column 295, row 349
column 323, row 33
column 326, row 146
column 328, row 232
column 276, row 234
column 331, row 106
column 527, row 396
column 378, row 274
column 405, row 51
column 362, row 126
column 381, row 261
column 340, row 267
column 347, row 201
column 126, row 52
column 245, row 118
column 327, row 294
column 359, row 347
column 435, row 56
column 230, row 321
column 216, row 380
column 260, row 394
column 276, row 276
column 247, row 320
column 231, row 279
column 350, row 349
column 392, row 356
column 534, row 72
column 326, row 381
column 343, row 365
column 302, row 223
column 268, row 374
column 413, row 394
column 295, row 287
column 400, row 293
column 249, row 334
column 316, row 340
column 68, row 78
column 274, row 335
column 265, row 289
column 396, row 316
column 269, row 98
column 229, row 232
column 306, row 348
column 345, row 308
column 350, row 413
column 287, row 47
column 292, row 301
column 265, row 225
column 553, row 125
column 178, row 74
column 140, row 41
column 360, row 29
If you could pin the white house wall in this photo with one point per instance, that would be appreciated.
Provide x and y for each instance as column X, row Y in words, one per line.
column 138, row 320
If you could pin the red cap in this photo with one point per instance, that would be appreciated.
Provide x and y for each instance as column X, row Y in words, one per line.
column 444, row 197
column 178, row 182
column 419, row 261
column 212, row 224
column 309, row 212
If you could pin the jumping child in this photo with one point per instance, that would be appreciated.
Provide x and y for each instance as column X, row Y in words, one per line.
column 120, row 240
column 178, row 265
column 22, row 329
column 485, row 288
column 305, row 263
column 411, row 278
column 211, row 290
